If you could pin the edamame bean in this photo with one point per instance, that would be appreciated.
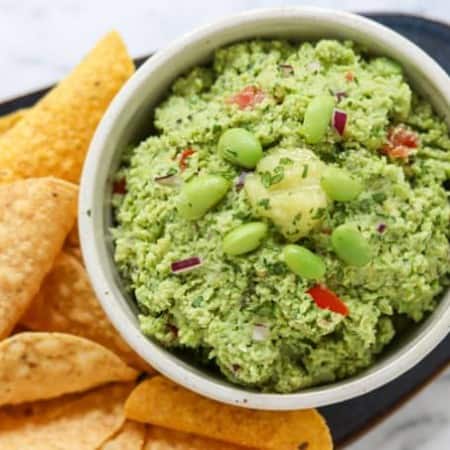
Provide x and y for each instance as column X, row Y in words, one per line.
column 240, row 147
column 350, row 245
column 339, row 185
column 244, row 238
column 201, row 194
column 303, row 262
column 317, row 118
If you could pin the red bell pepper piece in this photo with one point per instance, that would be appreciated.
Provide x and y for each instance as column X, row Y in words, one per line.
column 184, row 156
column 326, row 299
column 401, row 142
column 248, row 97
column 349, row 76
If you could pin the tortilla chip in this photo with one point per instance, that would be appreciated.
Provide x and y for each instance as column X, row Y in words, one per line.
column 8, row 121
column 160, row 402
column 165, row 439
column 73, row 422
column 72, row 244
column 66, row 303
column 73, row 238
column 75, row 252
column 38, row 366
column 53, row 137
column 130, row 437
column 35, row 217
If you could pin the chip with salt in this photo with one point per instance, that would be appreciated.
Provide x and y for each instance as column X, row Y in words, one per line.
column 52, row 138
column 164, row 439
column 38, row 366
column 160, row 402
column 8, row 121
column 130, row 437
column 35, row 217
column 73, row 422
column 66, row 303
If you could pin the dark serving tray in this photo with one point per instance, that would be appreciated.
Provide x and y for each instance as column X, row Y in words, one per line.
column 349, row 420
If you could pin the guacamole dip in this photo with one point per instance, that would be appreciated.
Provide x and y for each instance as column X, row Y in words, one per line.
column 288, row 216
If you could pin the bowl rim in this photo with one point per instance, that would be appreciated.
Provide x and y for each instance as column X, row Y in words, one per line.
column 412, row 352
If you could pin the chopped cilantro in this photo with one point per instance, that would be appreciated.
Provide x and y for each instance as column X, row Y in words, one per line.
column 268, row 178
column 297, row 217
column 379, row 197
column 197, row 301
column 365, row 205
column 305, row 171
column 319, row 213
column 278, row 175
column 241, row 215
column 277, row 268
column 286, row 161
column 264, row 203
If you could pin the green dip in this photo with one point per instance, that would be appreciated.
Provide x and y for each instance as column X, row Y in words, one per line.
column 250, row 314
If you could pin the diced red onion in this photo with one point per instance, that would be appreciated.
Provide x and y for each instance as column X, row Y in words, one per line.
column 240, row 180
column 168, row 180
column 120, row 186
column 260, row 332
column 185, row 265
column 339, row 120
column 314, row 66
column 381, row 228
column 286, row 69
column 340, row 95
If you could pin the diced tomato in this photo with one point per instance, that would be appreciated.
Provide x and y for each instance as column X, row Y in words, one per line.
column 401, row 142
column 400, row 152
column 185, row 154
column 402, row 136
column 248, row 97
column 120, row 186
column 349, row 76
column 326, row 299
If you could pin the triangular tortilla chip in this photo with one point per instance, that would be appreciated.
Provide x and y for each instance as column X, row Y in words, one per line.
column 73, row 238
column 35, row 217
column 8, row 121
column 160, row 402
column 66, row 303
column 73, row 422
column 53, row 137
column 165, row 439
column 130, row 437
column 38, row 366
column 75, row 252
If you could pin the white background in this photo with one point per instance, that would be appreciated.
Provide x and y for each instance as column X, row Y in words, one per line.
column 41, row 40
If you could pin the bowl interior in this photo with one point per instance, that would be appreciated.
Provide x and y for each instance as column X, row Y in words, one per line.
column 129, row 120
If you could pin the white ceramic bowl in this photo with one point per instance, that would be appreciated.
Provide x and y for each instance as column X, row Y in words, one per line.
column 127, row 121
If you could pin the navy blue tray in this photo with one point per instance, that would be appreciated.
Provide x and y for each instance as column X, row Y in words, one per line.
column 349, row 420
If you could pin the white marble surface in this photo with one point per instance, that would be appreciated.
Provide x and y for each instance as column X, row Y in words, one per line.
column 40, row 40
